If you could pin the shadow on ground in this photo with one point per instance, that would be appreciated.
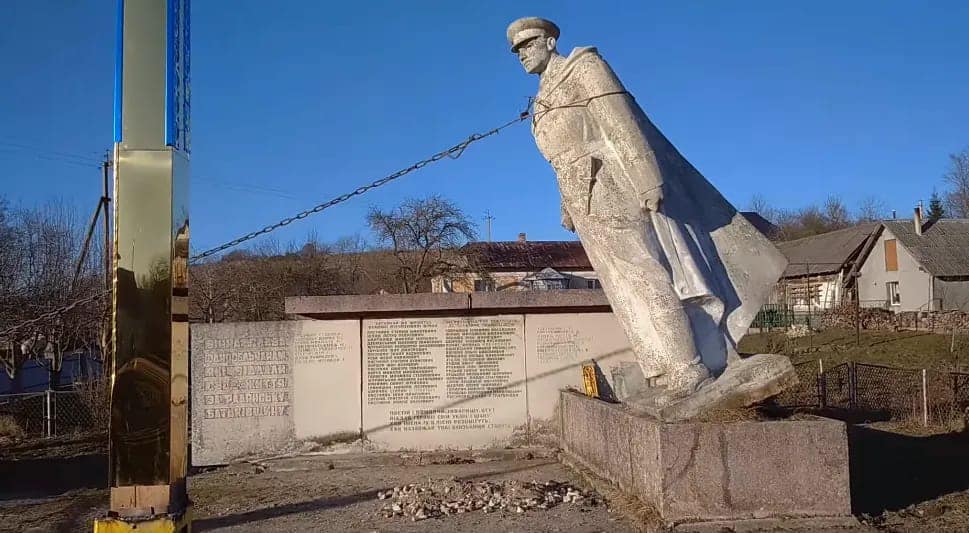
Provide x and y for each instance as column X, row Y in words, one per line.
column 46, row 476
column 890, row 471
column 257, row 515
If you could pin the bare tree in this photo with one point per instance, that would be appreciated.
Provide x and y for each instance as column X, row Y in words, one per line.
column 836, row 213
column 871, row 209
column 957, row 177
column 760, row 205
column 422, row 233
column 40, row 254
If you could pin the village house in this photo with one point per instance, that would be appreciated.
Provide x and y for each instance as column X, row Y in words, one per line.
column 534, row 265
column 520, row 265
column 821, row 268
column 917, row 266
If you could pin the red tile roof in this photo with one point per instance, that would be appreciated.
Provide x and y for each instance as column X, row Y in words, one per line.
column 527, row 255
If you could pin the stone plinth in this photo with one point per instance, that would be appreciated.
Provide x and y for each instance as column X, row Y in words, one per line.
column 712, row 471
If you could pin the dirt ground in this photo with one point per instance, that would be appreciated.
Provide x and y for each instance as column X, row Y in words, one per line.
column 338, row 492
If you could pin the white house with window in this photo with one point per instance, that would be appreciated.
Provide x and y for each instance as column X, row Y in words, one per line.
column 916, row 266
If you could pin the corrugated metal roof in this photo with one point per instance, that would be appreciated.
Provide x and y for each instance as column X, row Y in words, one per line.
column 943, row 247
column 527, row 255
column 824, row 254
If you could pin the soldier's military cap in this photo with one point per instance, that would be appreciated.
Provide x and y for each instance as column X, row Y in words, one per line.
column 528, row 28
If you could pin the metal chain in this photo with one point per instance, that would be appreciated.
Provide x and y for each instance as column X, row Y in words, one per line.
column 453, row 152
column 51, row 314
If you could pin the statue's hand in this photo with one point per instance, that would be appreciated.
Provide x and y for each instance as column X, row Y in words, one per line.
column 651, row 199
column 567, row 221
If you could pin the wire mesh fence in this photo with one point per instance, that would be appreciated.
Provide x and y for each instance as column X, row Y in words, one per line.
column 805, row 393
column 836, row 387
column 879, row 392
column 895, row 393
column 52, row 413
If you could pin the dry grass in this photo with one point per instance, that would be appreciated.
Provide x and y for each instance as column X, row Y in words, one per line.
column 639, row 513
column 904, row 349
column 10, row 429
column 726, row 416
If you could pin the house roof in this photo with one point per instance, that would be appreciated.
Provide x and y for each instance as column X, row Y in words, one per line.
column 943, row 247
column 527, row 255
column 826, row 253
column 545, row 274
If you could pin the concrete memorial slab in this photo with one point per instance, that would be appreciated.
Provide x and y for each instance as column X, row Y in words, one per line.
column 443, row 382
column 247, row 398
column 326, row 379
column 557, row 344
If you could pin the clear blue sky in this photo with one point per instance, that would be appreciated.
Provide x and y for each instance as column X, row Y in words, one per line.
column 296, row 101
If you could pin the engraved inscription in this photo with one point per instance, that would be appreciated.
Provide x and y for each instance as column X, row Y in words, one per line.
column 475, row 351
column 245, row 377
column 428, row 371
column 401, row 366
column 555, row 343
column 326, row 347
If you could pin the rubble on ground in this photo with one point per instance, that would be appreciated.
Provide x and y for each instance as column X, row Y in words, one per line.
column 439, row 498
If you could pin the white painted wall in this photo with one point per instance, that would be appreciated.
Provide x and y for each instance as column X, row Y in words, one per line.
column 914, row 284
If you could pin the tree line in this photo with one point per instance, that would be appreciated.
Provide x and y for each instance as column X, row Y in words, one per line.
column 833, row 214
column 409, row 245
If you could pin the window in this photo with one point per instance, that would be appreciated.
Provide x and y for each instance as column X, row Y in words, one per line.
column 894, row 298
column 484, row 285
column 891, row 255
column 593, row 284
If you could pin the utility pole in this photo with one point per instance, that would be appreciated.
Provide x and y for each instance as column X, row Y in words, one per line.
column 489, row 218
column 105, row 207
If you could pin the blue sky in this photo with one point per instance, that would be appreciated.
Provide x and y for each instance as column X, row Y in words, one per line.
column 296, row 101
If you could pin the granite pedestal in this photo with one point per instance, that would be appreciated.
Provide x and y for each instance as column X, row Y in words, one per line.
column 693, row 471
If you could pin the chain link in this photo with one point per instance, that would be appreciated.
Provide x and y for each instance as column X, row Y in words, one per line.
column 453, row 152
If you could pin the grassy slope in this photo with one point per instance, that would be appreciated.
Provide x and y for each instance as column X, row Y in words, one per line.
column 907, row 349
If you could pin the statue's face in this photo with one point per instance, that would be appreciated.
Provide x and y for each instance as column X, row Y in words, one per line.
column 535, row 54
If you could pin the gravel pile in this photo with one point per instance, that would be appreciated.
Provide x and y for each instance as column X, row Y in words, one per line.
column 439, row 498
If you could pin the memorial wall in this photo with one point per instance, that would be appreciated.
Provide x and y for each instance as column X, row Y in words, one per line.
column 438, row 382
column 258, row 387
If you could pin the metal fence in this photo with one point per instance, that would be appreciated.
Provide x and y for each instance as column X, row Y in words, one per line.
column 879, row 392
column 50, row 413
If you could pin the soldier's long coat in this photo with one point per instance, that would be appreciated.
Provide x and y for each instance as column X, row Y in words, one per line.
column 607, row 155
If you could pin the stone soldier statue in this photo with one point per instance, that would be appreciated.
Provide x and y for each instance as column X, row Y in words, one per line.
column 684, row 272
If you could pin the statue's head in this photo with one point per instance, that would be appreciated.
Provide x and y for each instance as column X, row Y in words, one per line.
column 533, row 39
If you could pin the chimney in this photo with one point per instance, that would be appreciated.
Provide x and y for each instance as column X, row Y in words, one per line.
column 521, row 237
column 918, row 219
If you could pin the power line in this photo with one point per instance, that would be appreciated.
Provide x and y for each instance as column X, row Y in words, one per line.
column 47, row 151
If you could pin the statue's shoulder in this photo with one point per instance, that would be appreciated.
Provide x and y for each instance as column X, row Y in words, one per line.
column 582, row 54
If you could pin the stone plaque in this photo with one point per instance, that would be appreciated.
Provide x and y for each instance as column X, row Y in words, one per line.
column 443, row 382
column 556, row 345
column 326, row 378
column 242, row 387
column 257, row 387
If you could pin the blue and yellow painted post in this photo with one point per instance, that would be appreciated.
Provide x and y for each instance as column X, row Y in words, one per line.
column 148, row 446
